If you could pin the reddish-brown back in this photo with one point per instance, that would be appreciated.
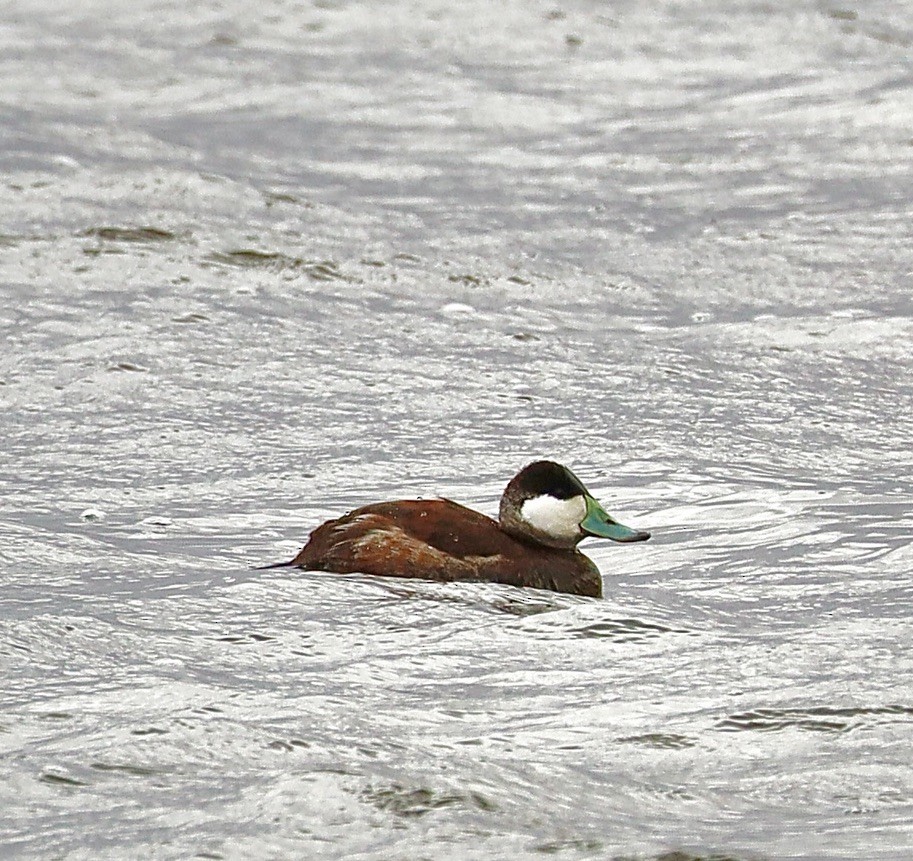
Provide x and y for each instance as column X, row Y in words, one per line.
column 441, row 540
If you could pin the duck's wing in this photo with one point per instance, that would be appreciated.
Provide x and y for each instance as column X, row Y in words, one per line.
column 433, row 539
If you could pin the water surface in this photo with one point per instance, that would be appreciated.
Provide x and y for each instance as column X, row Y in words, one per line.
column 258, row 269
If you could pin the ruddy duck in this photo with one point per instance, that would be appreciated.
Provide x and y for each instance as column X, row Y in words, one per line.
column 545, row 513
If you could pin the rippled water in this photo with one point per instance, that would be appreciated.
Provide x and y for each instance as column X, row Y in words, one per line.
column 260, row 266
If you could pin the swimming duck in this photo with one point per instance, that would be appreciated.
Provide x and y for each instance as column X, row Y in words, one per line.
column 545, row 513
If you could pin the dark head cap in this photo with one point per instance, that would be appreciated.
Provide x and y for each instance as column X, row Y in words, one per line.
column 545, row 478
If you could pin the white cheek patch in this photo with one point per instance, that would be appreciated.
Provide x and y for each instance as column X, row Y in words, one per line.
column 559, row 518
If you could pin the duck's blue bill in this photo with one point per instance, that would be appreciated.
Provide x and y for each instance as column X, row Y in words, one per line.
column 597, row 522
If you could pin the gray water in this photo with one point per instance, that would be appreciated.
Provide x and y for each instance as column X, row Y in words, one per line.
column 262, row 264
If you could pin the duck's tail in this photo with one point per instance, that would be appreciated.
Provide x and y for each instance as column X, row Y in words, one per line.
column 289, row 564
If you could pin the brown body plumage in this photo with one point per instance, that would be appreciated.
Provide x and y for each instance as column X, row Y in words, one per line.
column 441, row 540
